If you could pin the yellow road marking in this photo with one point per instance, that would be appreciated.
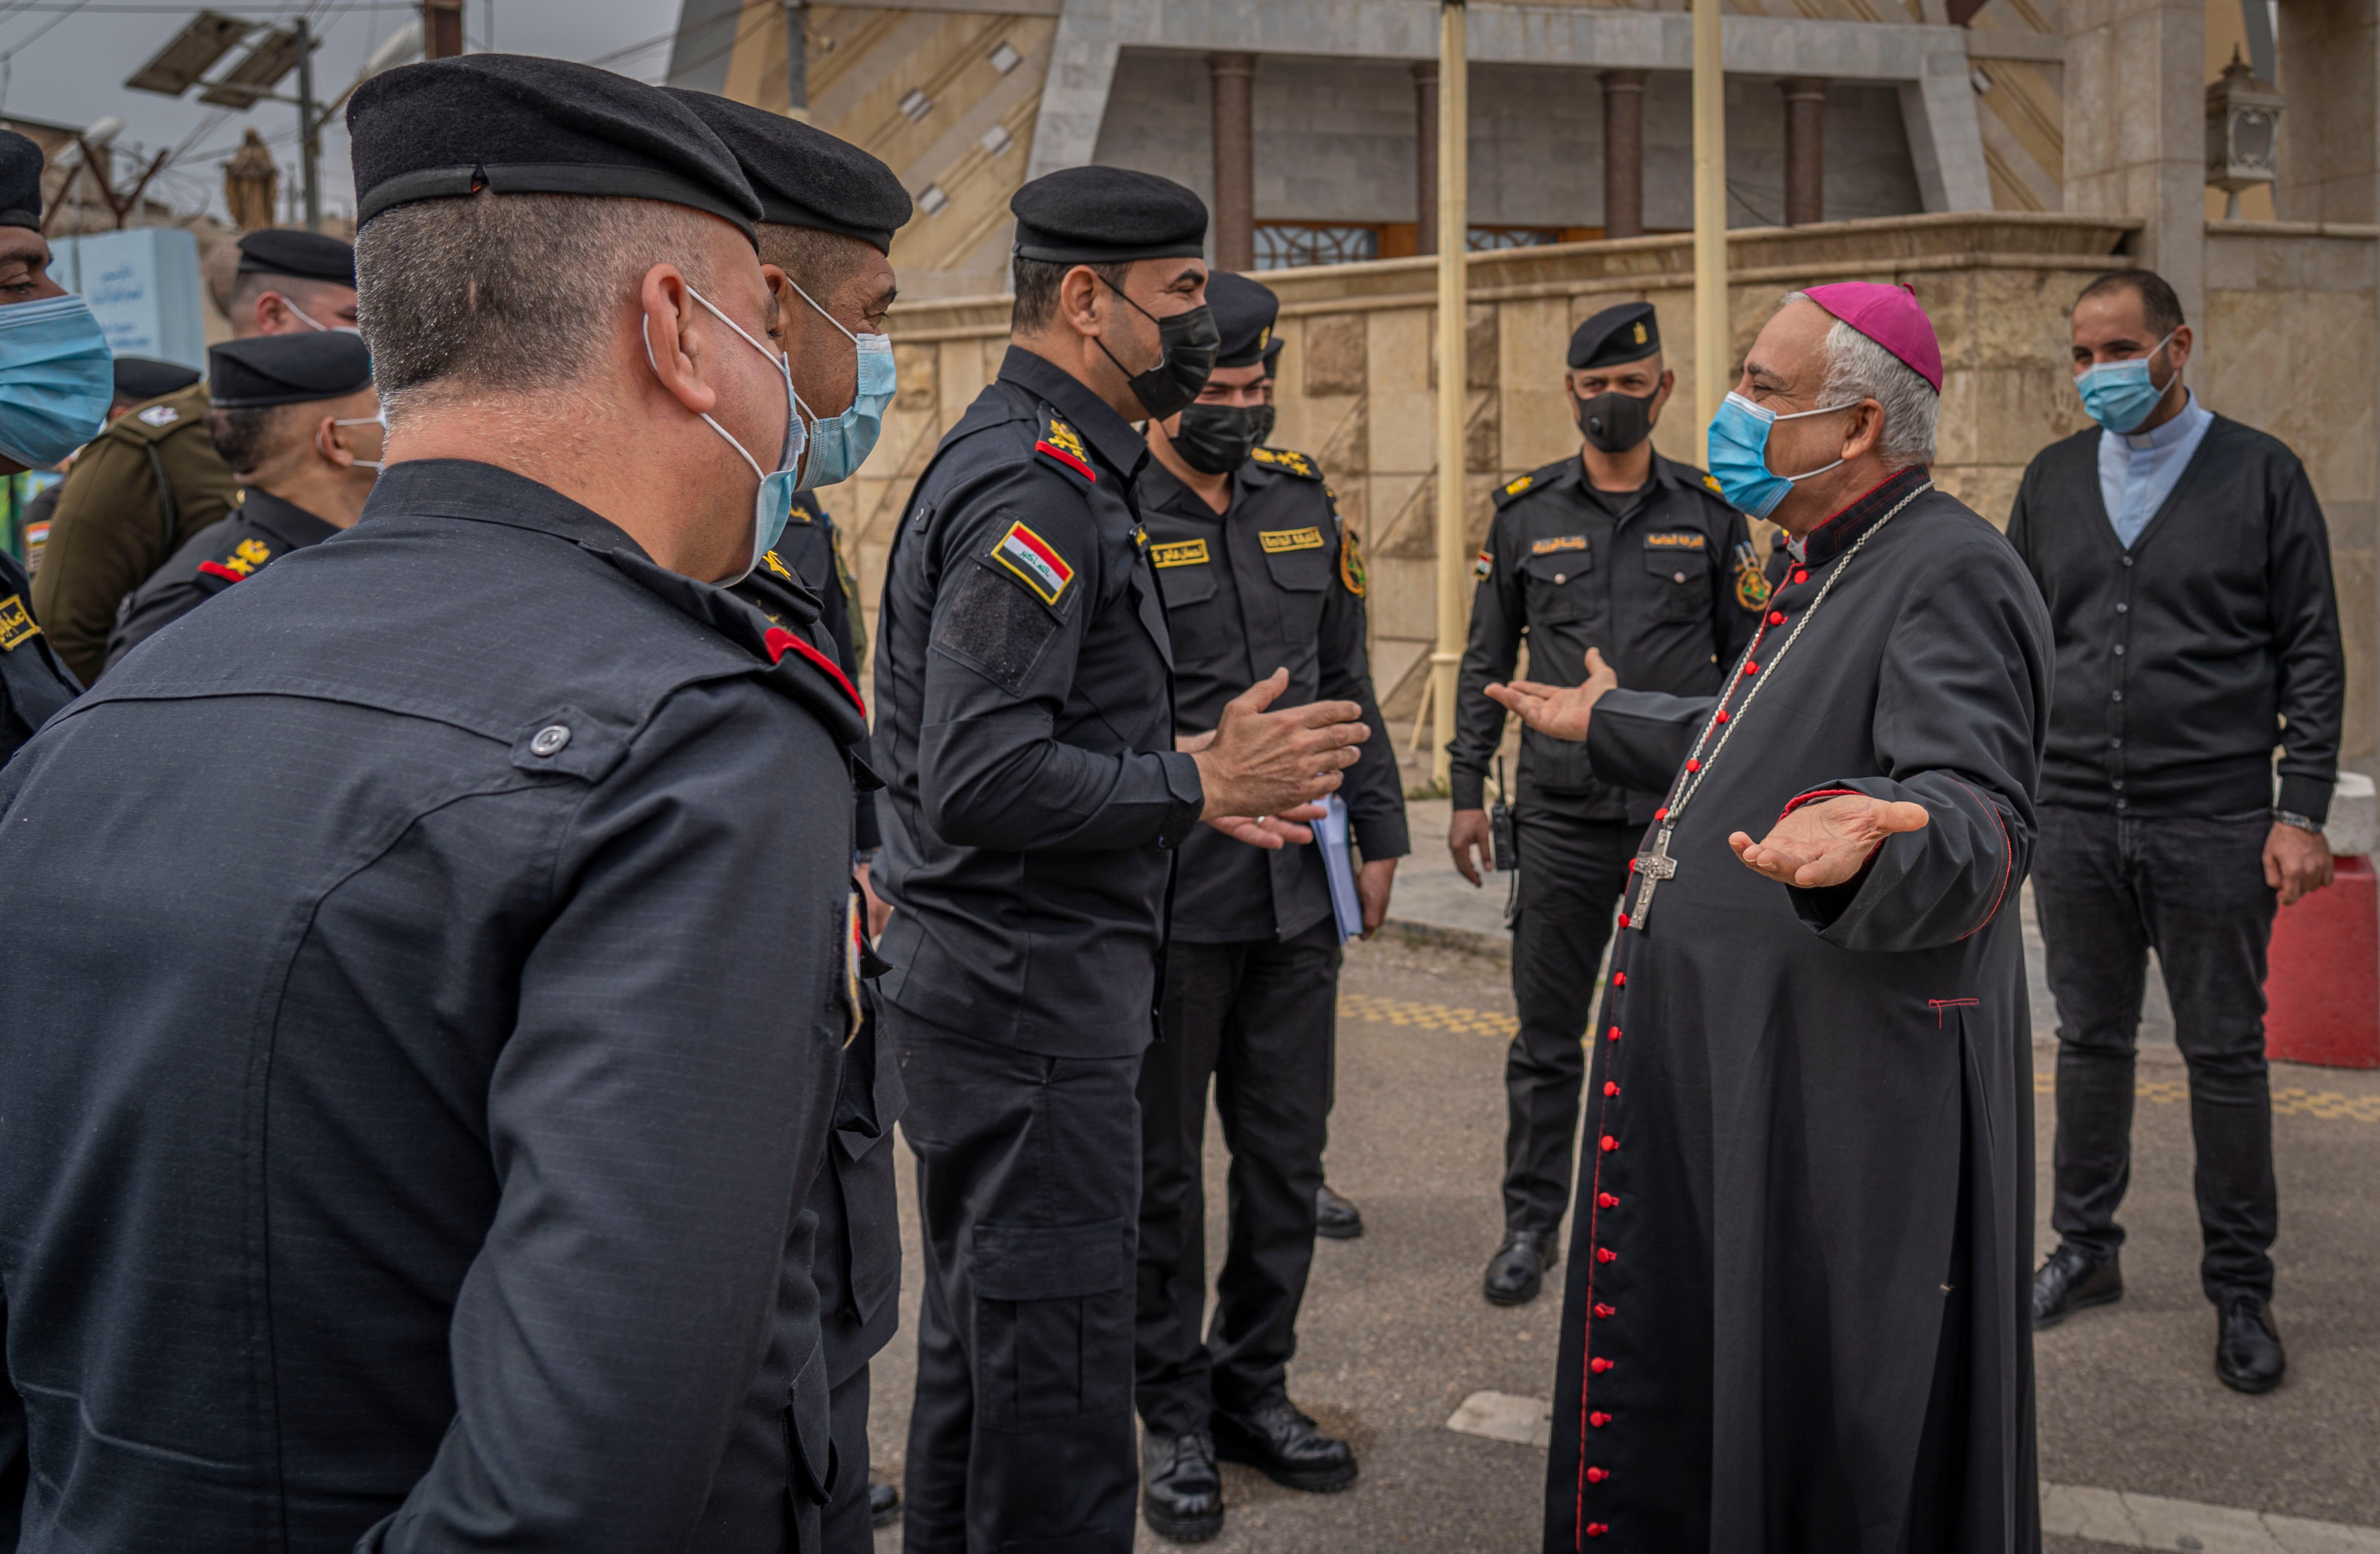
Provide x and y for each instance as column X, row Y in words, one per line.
column 2290, row 1101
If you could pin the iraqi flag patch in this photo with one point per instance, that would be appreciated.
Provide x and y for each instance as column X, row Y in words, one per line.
column 1035, row 561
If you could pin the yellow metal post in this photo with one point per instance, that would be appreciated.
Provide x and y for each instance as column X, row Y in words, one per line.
column 1454, row 243
column 1714, row 353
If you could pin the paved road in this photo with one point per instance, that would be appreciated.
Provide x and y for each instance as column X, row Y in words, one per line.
column 1396, row 1335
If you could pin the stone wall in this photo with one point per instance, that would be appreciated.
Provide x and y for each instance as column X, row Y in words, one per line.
column 2291, row 336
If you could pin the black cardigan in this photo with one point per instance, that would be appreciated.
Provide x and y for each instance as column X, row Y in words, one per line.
column 2181, row 661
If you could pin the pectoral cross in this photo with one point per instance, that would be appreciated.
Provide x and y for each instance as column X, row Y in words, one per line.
column 1652, row 866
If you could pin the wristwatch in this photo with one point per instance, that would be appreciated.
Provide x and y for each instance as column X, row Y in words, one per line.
column 2285, row 817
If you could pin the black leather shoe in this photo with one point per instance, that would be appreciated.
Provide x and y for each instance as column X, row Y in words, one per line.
column 1286, row 1447
column 2069, row 1282
column 1181, row 1488
column 2248, row 1355
column 1518, row 1270
column 883, row 1505
column 1334, row 1217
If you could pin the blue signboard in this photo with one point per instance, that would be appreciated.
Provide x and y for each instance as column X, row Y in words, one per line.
column 143, row 287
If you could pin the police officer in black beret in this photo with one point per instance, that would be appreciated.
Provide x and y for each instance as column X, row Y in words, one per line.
column 486, row 869
column 147, row 487
column 1034, row 796
column 1259, row 573
column 827, row 213
column 38, row 426
column 1636, row 556
column 296, row 418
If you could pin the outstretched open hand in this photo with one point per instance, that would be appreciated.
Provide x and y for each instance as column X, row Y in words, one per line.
column 1558, row 711
column 1827, row 842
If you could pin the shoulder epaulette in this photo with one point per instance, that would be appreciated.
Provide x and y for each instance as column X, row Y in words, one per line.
column 161, row 418
column 1286, row 461
column 244, row 560
column 1513, row 490
column 1061, row 444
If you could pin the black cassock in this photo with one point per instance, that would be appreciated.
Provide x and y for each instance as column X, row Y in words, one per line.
column 1796, row 1312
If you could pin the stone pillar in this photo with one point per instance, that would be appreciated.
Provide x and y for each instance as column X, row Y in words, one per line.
column 1624, row 153
column 1235, row 160
column 1424, row 74
column 2136, row 129
column 2329, row 69
column 1805, row 151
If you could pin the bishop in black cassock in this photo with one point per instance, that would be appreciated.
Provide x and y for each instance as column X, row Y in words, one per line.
column 1796, row 1312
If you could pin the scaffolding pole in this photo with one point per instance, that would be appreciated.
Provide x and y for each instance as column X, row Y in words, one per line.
column 1454, row 245
column 1714, row 337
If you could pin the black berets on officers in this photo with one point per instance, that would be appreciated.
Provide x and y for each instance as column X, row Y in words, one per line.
column 20, row 181
column 475, row 819
column 1107, row 215
column 1627, row 332
column 286, row 369
column 1244, row 312
column 804, row 175
column 305, row 256
column 140, row 379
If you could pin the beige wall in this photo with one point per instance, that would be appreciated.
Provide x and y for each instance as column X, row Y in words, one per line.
column 2290, row 326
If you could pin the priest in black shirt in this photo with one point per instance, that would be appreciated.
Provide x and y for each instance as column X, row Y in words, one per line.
column 2186, row 569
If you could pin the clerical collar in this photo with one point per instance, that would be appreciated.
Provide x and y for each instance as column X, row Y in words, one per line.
column 1830, row 539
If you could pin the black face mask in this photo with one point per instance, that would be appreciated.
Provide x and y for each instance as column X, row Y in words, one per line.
column 1263, row 414
column 1187, row 344
column 1215, row 439
column 1615, row 422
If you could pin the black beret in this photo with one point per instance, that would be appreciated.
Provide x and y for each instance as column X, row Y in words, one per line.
column 1627, row 332
column 286, row 369
column 1107, row 215
column 804, row 175
column 1273, row 358
column 137, row 378
column 305, row 256
column 20, row 181
column 1244, row 310
column 510, row 124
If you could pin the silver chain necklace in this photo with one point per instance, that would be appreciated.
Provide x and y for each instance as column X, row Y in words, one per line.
column 1655, row 863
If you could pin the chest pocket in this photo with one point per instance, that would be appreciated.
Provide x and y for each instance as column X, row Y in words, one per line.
column 1301, row 575
column 1556, row 584
column 1679, row 581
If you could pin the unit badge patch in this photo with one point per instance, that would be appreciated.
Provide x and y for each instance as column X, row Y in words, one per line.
column 1351, row 562
column 16, row 627
column 1035, row 561
column 1276, row 540
column 1484, row 564
column 1682, row 540
column 1752, row 590
column 160, row 414
column 1559, row 543
column 1181, row 552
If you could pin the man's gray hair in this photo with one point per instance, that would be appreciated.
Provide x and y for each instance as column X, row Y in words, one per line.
column 1857, row 368
column 510, row 295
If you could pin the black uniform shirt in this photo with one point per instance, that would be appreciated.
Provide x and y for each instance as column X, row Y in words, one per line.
column 1669, row 594
column 261, row 529
column 809, row 555
column 426, row 986
column 1270, row 583
column 1025, row 728
column 34, row 682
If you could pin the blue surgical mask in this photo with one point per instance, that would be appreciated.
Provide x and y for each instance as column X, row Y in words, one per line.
column 2119, row 394
column 1739, row 455
column 840, row 445
column 772, row 504
column 58, row 379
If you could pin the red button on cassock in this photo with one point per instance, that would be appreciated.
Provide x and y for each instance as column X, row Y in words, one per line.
column 1605, row 1254
column 1615, row 1033
column 1623, row 920
column 1598, row 1420
column 1598, row 1364
column 1603, row 1310
column 1618, row 979
column 1752, row 669
column 1609, row 1144
column 1800, row 576
column 1691, row 765
column 1662, row 813
column 1722, row 718
column 1611, row 1086
column 1775, row 617
column 1596, row 1476
column 1596, row 1529
column 1608, row 1200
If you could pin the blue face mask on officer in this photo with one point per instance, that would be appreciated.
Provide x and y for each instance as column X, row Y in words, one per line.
column 772, row 504
column 1739, row 455
column 2119, row 394
column 58, row 379
column 840, row 445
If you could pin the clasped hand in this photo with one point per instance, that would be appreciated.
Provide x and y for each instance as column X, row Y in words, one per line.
column 1263, row 773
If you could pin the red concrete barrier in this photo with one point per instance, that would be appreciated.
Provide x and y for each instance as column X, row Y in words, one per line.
column 2323, row 985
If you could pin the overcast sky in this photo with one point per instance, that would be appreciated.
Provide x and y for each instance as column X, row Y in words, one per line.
column 65, row 62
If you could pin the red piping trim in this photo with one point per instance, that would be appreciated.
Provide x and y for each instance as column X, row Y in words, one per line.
column 1814, row 795
column 217, row 569
column 2008, row 859
column 1062, row 457
column 779, row 640
column 1939, row 1005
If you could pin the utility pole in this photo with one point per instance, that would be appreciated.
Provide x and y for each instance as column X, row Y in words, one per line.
column 1454, row 247
column 309, row 131
column 1713, row 338
column 442, row 29
column 797, row 61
